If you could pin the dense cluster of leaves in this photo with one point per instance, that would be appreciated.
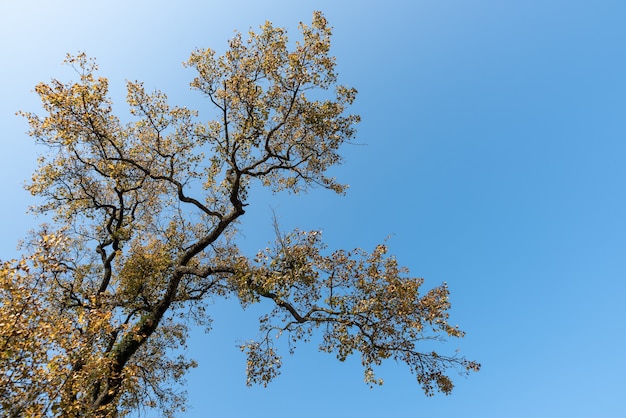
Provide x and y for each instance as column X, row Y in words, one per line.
column 144, row 215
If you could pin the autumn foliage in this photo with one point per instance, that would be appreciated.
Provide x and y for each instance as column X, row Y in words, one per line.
column 144, row 215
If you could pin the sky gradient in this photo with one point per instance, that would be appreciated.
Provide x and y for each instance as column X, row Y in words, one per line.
column 491, row 151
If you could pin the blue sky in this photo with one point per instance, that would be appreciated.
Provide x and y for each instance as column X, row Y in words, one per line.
column 493, row 148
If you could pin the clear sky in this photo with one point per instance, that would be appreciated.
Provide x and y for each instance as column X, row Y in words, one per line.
column 494, row 148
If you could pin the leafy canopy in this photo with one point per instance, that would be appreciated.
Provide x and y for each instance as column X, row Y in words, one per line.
column 143, row 233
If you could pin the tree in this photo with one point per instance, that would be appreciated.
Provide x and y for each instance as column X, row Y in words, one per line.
column 144, row 216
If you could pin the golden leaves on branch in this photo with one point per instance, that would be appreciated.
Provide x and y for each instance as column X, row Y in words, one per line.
column 362, row 302
column 270, row 128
